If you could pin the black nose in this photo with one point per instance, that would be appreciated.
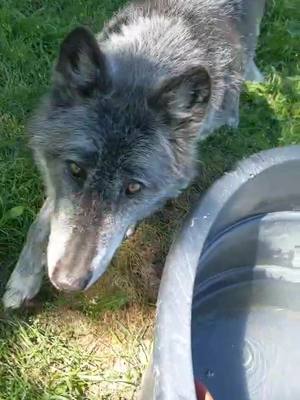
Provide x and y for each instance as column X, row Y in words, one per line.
column 70, row 283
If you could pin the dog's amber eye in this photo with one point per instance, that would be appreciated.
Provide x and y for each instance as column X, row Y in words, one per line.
column 76, row 171
column 133, row 188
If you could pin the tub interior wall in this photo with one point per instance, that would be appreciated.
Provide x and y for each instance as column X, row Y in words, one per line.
column 275, row 189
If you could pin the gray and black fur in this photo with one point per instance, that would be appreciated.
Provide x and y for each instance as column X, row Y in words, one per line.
column 117, row 134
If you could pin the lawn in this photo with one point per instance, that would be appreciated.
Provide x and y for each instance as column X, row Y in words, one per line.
column 96, row 345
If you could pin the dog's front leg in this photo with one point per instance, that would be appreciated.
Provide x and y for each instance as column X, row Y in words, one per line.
column 26, row 279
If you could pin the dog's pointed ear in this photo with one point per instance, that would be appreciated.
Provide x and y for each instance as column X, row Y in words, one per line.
column 183, row 99
column 81, row 66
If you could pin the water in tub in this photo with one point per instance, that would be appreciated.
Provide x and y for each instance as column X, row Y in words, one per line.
column 246, row 341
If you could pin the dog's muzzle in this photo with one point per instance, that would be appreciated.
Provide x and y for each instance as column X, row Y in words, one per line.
column 79, row 252
column 70, row 256
column 68, row 282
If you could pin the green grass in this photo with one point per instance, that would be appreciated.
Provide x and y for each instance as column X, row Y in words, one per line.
column 94, row 346
column 64, row 355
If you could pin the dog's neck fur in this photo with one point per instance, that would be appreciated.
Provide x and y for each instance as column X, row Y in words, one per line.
column 135, row 62
column 149, row 43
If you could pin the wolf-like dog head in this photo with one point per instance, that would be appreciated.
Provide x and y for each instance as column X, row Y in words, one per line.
column 110, row 155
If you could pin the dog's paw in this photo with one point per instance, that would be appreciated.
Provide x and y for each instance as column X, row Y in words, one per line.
column 130, row 231
column 233, row 122
column 21, row 289
column 253, row 74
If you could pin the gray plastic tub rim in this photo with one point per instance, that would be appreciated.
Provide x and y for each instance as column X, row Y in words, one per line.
column 171, row 374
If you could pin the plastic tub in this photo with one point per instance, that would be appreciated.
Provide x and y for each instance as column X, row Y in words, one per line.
column 229, row 305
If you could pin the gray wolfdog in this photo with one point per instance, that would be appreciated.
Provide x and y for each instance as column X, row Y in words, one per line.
column 117, row 134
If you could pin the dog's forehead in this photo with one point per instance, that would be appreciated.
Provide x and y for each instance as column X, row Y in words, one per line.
column 124, row 150
column 122, row 113
column 121, row 128
column 108, row 127
column 129, row 147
